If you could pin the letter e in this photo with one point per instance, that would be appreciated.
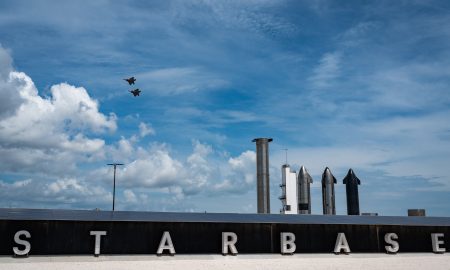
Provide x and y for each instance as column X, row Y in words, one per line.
column 436, row 242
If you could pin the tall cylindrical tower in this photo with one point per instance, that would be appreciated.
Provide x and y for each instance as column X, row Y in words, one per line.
column 262, row 175
column 328, row 199
column 304, row 191
column 351, row 183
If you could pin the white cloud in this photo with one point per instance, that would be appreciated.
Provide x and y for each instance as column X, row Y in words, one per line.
column 130, row 197
column 156, row 169
column 410, row 87
column 34, row 129
column 359, row 33
column 145, row 129
column 239, row 174
column 248, row 16
column 5, row 64
column 66, row 192
column 180, row 80
column 327, row 70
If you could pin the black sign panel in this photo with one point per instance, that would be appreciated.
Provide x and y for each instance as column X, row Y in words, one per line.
column 58, row 237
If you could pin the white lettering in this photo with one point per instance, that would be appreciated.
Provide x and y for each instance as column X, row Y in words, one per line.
column 25, row 243
column 166, row 243
column 287, row 243
column 390, row 238
column 341, row 244
column 229, row 240
column 98, row 235
column 436, row 242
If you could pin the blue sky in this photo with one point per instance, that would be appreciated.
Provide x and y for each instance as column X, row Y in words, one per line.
column 362, row 85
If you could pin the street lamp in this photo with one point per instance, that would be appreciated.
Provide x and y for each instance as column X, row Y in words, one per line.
column 114, row 186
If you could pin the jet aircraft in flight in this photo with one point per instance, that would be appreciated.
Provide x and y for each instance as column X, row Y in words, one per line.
column 135, row 92
column 130, row 80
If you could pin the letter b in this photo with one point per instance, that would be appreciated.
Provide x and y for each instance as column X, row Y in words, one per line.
column 287, row 243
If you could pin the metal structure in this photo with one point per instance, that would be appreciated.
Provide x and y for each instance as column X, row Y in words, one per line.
column 416, row 212
column 351, row 183
column 328, row 198
column 369, row 214
column 288, row 190
column 74, row 232
column 304, row 191
column 262, row 175
column 114, row 181
column 24, row 214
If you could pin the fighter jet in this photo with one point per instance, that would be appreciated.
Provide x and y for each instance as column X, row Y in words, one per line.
column 135, row 92
column 130, row 80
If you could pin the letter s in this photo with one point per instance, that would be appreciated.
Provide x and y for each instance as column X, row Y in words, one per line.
column 390, row 238
column 19, row 241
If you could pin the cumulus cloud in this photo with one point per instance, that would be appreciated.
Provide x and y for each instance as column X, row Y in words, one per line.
column 145, row 130
column 40, row 129
column 201, row 171
column 156, row 169
column 58, row 121
column 11, row 99
column 130, row 196
column 65, row 192
column 240, row 176
column 47, row 139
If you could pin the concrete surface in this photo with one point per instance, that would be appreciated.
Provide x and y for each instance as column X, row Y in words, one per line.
column 427, row 261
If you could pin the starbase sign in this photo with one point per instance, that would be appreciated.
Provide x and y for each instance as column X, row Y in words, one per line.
column 58, row 232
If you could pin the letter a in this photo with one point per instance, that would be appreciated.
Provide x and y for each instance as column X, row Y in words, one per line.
column 166, row 243
column 341, row 244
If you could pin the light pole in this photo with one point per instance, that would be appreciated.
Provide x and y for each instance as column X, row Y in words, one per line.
column 114, row 185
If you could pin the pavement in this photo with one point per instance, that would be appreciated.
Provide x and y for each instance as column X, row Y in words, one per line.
column 427, row 261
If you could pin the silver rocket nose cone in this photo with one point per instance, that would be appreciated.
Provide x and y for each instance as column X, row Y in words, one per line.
column 302, row 170
column 303, row 175
column 327, row 176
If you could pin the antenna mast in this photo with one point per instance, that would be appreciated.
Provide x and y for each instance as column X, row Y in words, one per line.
column 114, row 185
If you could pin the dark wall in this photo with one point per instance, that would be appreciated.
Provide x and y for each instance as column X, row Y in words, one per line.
column 126, row 237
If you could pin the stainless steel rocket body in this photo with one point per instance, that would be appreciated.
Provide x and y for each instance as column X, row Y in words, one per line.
column 304, row 181
column 328, row 198
column 351, row 183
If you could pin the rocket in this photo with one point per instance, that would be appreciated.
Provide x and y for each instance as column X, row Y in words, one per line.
column 304, row 193
column 351, row 183
column 328, row 182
